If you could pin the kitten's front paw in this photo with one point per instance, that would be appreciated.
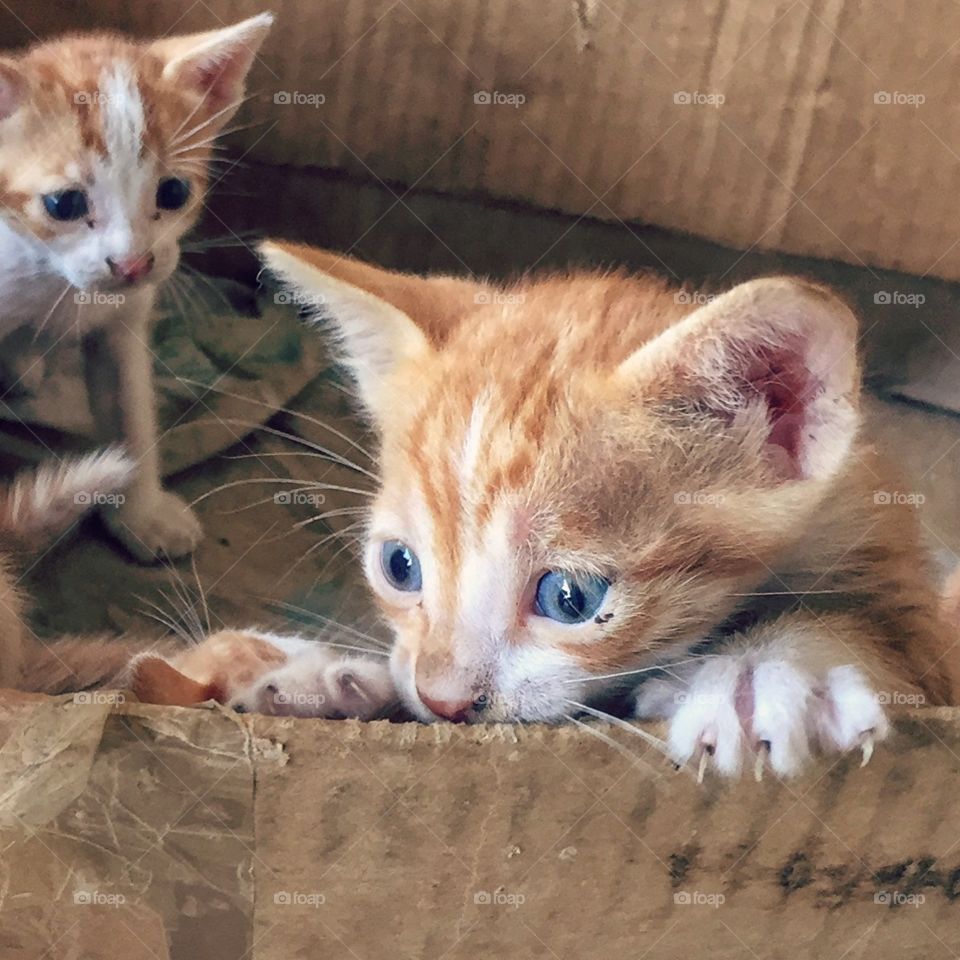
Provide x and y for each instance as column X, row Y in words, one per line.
column 152, row 527
column 740, row 711
column 349, row 687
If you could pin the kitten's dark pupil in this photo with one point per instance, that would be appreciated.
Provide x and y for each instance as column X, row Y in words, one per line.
column 66, row 205
column 172, row 193
column 400, row 564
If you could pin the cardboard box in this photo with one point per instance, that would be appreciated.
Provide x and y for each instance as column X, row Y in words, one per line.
column 826, row 129
column 144, row 832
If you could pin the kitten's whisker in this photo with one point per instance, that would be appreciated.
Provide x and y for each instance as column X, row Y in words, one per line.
column 346, row 646
column 51, row 311
column 314, row 547
column 634, row 758
column 266, row 500
column 787, row 593
column 304, row 485
column 177, row 139
column 340, row 512
column 651, row 669
column 187, row 147
column 171, row 627
column 187, row 614
column 329, row 621
column 202, row 592
column 617, row 722
column 286, row 410
column 319, row 452
column 172, row 624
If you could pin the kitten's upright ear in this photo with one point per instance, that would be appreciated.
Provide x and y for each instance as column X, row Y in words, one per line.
column 12, row 85
column 382, row 318
column 779, row 354
column 216, row 63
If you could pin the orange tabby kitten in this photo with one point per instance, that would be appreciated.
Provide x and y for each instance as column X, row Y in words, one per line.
column 105, row 159
column 593, row 494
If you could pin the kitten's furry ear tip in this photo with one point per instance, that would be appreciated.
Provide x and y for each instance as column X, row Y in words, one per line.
column 12, row 85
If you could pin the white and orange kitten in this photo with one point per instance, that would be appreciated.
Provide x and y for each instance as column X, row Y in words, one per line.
column 105, row 146
column 594, row 494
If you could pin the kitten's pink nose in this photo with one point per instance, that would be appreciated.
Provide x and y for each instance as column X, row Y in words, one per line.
column 131, row 269
column 453, row 710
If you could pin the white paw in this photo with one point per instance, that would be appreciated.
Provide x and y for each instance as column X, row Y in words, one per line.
column 739, row 710
column 312, row 686
column 155, row 526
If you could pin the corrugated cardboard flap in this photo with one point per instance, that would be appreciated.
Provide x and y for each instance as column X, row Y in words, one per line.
column 271, row 838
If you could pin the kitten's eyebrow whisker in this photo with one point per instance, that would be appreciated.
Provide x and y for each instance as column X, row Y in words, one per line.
column 176, row 140
column 321, row 453
column 293, row 413
column 304, row 484
column 629, row 727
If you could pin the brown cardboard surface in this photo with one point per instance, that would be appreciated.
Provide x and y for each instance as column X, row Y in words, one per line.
column 196, row 833
column 825, row 128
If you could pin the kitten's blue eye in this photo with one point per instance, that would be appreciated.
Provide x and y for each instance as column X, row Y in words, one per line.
column 66, row 205
column 172, row 193
column 569, row 597
column 401, row 566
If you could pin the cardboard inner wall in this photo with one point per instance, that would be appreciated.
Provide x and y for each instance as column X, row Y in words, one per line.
column 827, row 129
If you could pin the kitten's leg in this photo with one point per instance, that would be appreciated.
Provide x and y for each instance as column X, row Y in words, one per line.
column 775, row 695
column 150, row 522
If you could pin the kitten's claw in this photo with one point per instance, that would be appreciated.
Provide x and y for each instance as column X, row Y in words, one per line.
column 703, row 766
column 763, row 749
column 775, row 712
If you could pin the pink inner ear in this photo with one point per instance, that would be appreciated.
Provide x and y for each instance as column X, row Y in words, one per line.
column 782, row 377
